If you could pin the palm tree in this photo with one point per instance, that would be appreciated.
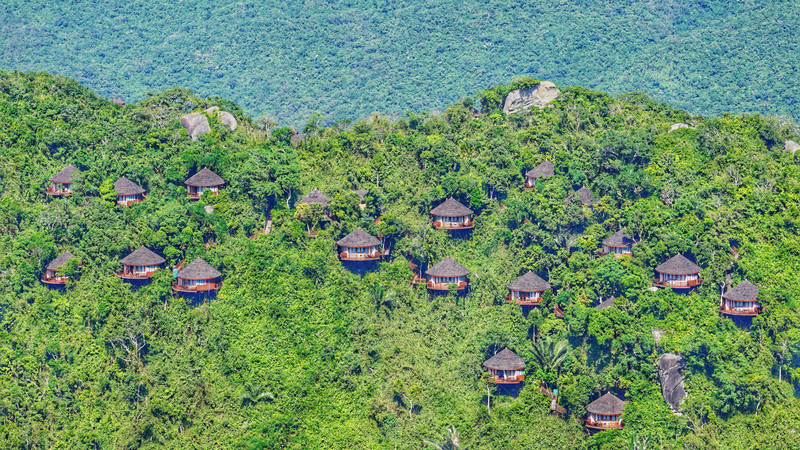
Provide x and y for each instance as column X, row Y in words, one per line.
column 550, row 353
column 450, row 442
column 254, row 394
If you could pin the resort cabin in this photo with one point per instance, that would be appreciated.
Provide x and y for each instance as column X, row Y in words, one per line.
column 605, row 412
column 445, row 273
column 198, row 276
column 527, row 290
column 679, row 273
column 204, row 180
column 362, row 195
column 317, row 197
column 506, row 367
column 61, row 183
column 742, row 300
column 359, row 246
column 128, row 192
column 543, row 170
column 52, row 275
column 141, row 264
column 618, row 244
column 607, row 304
column 452, row 215
column 584, row 195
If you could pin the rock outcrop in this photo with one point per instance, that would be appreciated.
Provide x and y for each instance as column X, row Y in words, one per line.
column 522, row 99
column 791, row 146
column 670, row 366
column 225, row 117
column 195, row 124
column 676, row 126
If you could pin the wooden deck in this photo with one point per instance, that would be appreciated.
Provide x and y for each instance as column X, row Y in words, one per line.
column 374, row 256
column 193, row 289
column 453, row 226
column 677, row 284
column 598, row 425
column 132, row 276
column 57, row 192
column 445, row 286
column 747, row 312
column 524, row 302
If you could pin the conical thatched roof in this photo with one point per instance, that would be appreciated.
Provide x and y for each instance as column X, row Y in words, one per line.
column 609, row 303
column 451, row 208
column 678, row 265
column 359, row 238
column 124, row 186
column 505, row 360
column 60, row 261
column 608, row 404
column 744, row 291
column 543, row 170
column 316, row 196
column 68, row 174
column 205, row 177
column 619, row 239
column 361, row 193
column 142, row 256
column 198, row 270
column 447, row 268
column 585, row 196
column 530, row 282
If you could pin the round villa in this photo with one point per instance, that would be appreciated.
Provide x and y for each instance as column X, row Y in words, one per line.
column 318, row 198
column 359, row 246
column 204, row 180
column 506, row 367
column 140, row 265
column 543, row 170
column 527, row 290
column 61, row 183
column 51, row 276
column 605, row 412
column 618, row 244
column 584, row 195
column 447, row 272
column 452, row 215
column 197, row 277
column 678, row 273
column 742, row 300
column 128, row 192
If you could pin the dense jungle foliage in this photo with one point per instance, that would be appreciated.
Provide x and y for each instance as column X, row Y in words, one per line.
column 297, row 352
column 347, row 59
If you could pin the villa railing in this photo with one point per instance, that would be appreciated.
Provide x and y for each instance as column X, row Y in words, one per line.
column 446, row 286
column 197, row 288
column 677, row 284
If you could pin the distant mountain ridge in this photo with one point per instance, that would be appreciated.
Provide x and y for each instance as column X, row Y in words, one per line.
column 349, row 59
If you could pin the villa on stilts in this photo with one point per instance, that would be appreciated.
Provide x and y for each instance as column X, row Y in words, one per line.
column 128, row 192
column 446, row 273
column 61, row 183
column 619, row 244
column 140, row 265
column 452, row 215
column 527, row 290
column 202, row 181
column 605, row 413
column 506, row 367
column 359, row 246
column 52, row 273
column 678, row 273
column 543, row 170
column 197, row 278
column 742, row 300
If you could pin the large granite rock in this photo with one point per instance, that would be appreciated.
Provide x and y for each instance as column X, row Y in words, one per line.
column 677, row 126
column 669, row 373
column 195, row 124
column 522, row 99
column 225, row 117
column 791, row 146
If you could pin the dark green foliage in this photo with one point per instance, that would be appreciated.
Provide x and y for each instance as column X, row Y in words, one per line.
column 348, row 59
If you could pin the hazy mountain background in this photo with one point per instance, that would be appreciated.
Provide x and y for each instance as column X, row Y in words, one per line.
column 346, row 59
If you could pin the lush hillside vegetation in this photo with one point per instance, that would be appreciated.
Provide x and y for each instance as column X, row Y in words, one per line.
column 297, row 352
column 346, row 60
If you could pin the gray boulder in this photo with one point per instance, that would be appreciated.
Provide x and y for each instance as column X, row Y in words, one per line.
column 225, row 117
column 195, row 124
column 670, row 366
column 791, row 146
column 676, row 126
column 522, row 99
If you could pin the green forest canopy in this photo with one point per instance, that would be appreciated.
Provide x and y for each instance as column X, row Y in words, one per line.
column 297, row 352
column 345, row 60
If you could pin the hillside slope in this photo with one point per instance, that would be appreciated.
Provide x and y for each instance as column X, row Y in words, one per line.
column 297, row 352
column 346, row 60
